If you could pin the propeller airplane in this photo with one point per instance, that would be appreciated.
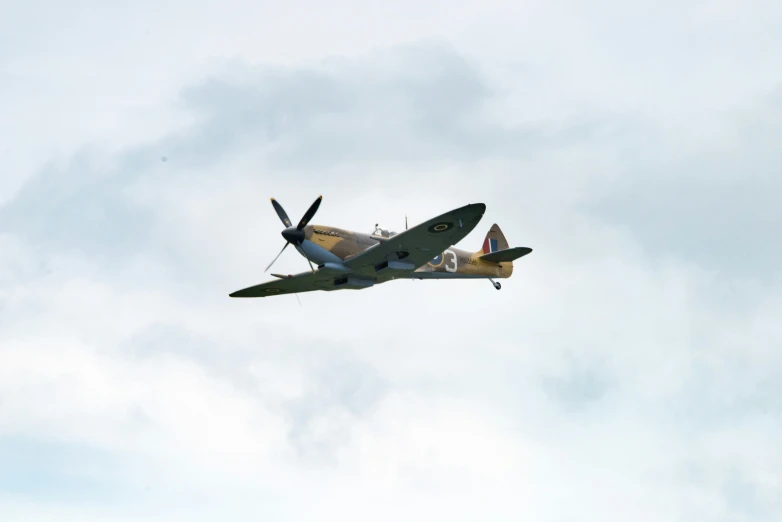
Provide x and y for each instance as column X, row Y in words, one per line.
column 354, row 260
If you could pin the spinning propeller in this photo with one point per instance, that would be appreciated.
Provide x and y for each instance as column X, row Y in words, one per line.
column 294, row 235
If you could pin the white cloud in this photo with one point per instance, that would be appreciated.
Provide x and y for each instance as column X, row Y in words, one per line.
column 626, row 371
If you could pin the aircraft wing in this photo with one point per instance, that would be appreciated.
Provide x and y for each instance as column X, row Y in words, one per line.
column 421, row 243
column 298, row 283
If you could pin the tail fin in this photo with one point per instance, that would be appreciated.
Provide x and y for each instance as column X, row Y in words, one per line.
column 495, row 240
column 497, row 250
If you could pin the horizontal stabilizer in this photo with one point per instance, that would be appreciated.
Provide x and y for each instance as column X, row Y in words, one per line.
column 505, row 256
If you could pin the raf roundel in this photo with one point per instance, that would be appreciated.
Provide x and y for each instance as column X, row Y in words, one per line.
column 437, row 261
column 437, row 228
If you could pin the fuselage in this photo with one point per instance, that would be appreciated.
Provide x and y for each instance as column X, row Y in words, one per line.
column 324, row 244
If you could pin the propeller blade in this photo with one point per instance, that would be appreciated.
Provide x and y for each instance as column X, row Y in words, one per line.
column 310, row 212
column 308, row 259
column 290, row 234
column 281, row 213
column 278, row 255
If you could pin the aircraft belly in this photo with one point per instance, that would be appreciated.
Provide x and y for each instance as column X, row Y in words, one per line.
column 316, row 253
column 444, row 275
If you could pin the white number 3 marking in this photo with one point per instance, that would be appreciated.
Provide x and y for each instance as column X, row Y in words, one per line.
column 453, row 258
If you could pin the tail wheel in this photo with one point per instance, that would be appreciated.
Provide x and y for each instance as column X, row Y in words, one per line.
column 497, row 285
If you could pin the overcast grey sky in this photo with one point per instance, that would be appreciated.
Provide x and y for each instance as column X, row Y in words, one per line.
column 629, row 370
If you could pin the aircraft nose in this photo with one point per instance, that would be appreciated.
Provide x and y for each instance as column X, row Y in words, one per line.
column 293, row 235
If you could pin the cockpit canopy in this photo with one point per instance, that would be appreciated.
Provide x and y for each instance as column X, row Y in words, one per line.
column 382, row 232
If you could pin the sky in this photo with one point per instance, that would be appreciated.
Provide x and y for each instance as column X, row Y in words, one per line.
column 628, row 370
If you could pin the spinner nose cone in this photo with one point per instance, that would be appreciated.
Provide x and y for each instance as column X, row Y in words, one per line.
column 293, row 235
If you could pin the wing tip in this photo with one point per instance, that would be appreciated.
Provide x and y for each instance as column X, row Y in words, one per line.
column 479, row 206
column 240, row 293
